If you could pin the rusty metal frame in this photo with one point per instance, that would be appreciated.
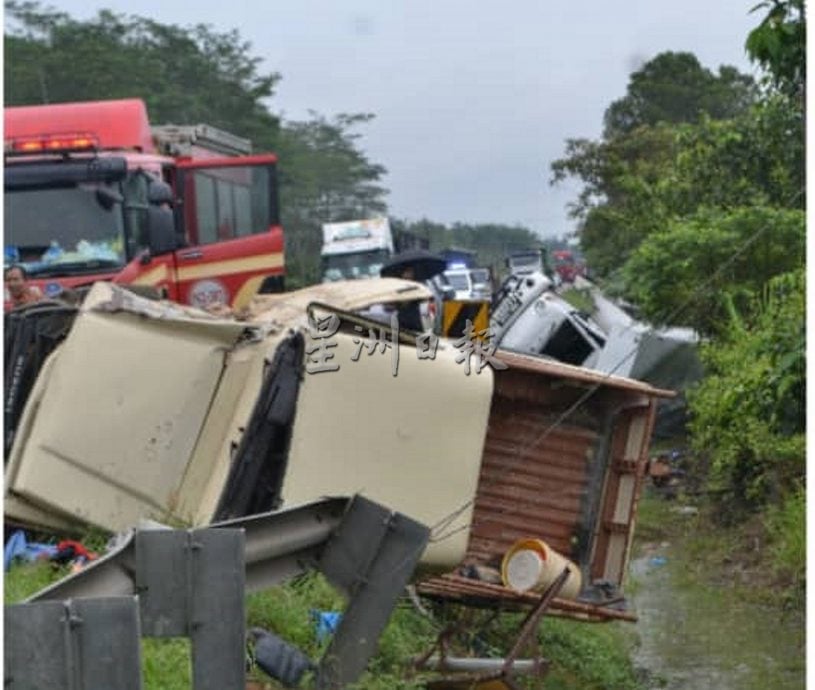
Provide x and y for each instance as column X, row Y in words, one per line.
column 538, row 667
column 577, row 489
column 623, row 463
column 479, row 594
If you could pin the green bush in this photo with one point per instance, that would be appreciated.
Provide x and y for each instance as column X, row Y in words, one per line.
column 748, row 414
column 166, row 663
column 699, row 267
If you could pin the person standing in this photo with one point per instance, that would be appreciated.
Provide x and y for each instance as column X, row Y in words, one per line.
column 18, row 292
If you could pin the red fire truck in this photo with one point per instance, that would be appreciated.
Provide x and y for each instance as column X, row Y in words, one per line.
column 92, row 192
column 566, row 266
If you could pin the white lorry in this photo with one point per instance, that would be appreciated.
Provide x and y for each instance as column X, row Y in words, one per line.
column 356, row 249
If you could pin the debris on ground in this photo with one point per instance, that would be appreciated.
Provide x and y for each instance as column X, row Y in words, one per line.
column 19, row 548
column 67, row 552
column 687, row 511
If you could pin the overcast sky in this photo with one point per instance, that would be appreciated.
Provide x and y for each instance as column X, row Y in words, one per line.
column 473, row 100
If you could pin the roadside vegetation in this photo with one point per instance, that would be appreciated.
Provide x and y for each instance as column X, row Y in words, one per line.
column 579, row 299
column 693, row 209
column 742, row 558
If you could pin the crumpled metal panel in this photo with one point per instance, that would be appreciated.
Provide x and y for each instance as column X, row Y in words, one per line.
column 348, row 295
column 97, row 442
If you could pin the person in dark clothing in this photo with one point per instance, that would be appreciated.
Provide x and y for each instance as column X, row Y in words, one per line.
column 410, row 317
column 409, row 314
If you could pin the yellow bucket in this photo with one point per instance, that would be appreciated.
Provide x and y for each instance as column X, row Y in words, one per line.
column 530, row 564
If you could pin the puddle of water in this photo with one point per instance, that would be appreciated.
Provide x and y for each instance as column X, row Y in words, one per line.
column 695, row 636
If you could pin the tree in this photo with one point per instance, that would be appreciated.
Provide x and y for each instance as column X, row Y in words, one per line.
column 756, row 159
column 674, row 87
column 184, row 74
column 778, row 44
column 326, row 178
column 700, row 269
column 334, row 179
column 621, row 200
column 636, row 182
column 641, row 173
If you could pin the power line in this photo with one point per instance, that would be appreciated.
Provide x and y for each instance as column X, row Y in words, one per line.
column 703, row 289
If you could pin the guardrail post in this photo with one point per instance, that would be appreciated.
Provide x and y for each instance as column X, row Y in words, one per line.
column 80, row 644
column 191, row 584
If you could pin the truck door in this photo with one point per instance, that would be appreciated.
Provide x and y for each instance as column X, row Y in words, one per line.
column 234, row 241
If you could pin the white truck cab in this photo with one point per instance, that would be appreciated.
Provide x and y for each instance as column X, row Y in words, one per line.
column 356, row 249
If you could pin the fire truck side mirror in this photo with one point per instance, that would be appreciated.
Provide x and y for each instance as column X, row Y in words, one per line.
column 161, row 229
column 159, row 193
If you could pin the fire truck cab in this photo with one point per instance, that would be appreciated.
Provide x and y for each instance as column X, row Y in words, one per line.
column 566, row 266
column 92, row 192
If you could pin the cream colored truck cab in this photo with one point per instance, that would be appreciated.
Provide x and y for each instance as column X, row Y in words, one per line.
column 153, row 410
column 141, row 411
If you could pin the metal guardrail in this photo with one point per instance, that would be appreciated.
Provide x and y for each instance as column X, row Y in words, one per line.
column 74, row 645
column 191, row 583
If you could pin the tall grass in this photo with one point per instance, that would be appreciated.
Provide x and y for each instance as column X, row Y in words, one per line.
column 787, row 528
column 585, row 656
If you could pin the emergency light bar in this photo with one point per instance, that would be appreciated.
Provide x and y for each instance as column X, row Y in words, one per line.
column 79, row 141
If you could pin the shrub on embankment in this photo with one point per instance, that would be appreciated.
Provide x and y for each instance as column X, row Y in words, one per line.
column 748, row 417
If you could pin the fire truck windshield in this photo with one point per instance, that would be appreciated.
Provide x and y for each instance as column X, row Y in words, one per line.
column 66, row 230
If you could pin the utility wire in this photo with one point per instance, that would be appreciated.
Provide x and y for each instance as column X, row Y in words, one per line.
column 437, row 531
column 699, row 292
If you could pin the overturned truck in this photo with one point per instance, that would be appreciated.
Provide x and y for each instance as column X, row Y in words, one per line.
column 153, row 410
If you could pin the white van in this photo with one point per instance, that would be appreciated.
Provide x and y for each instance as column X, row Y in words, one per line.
column 470, row 283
